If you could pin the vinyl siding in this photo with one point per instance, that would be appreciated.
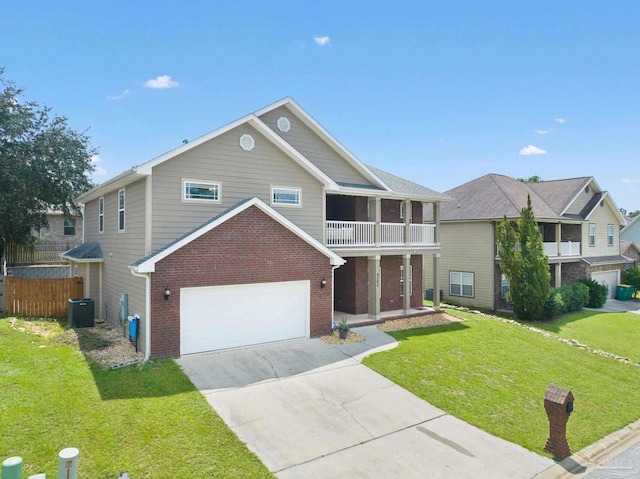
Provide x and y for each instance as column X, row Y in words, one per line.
column 581, row 201
column 241, row 175
column 120, row 249
column 467, row 247
column 316, row 150
column 601, row 216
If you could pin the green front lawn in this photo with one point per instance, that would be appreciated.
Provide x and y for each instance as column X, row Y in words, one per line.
column 494, row 375
column 617, row 333
column 149, row 421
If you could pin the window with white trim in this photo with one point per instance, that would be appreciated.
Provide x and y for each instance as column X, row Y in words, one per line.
column 194, row 190
column 101, row 215
column 504, row 286
column 609, row 235
column 592, row 234
column 402, row 281
column 285, row 196
column 69, row 228
column 461, row 283
column 121, row 203
column 402, row 211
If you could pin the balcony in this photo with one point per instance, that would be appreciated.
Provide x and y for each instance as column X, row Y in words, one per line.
column 363, row 233
column 567, row 248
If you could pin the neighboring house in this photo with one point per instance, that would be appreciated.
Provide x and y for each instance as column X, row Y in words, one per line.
column 579, row 223
column 631, row 232
column 61, row 234
column 255, row 232
column 630, row 250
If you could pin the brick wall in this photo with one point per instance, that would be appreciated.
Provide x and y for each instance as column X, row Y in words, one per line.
column 390, row 298
column 248, row 248
column 352, row 286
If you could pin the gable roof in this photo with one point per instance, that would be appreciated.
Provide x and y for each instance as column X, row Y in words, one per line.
column 408, row 188
column 376, row 177
column 630, row 225
column 84, row 253
column 147, row 264
column 493, row 196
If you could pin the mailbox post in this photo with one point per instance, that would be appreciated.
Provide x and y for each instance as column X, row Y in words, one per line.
column 558, row 403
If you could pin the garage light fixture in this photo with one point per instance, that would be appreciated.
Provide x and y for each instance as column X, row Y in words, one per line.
column 167, row 292
column 323, row 282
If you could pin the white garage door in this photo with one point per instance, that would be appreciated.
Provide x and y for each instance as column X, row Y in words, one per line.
column 610, row 278
column 219, row 317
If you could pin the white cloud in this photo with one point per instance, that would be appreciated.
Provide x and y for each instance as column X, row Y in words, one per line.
column 322, row 41
column 163, row 81
column 631, row 181
column 98, row 169
column 532, row 150
column 120, row 96
column 560, row 120
column 542, row 132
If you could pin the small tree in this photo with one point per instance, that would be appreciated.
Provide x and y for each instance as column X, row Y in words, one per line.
column 524, row 262
column 632, row 276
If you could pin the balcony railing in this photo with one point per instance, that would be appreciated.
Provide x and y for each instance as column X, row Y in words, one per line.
column 362, row 233
column 567, row 248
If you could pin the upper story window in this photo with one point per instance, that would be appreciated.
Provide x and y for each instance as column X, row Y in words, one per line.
column 286, row 196
column 461, row 284
column 121, row 203
column 592, row 234
column 193, row 190
column 402, row 280
column 609, row 235
column 69, row 226
column 101, row 215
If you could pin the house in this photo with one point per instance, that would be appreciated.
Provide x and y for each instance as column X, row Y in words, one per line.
column 255, row 232
column 579, row 223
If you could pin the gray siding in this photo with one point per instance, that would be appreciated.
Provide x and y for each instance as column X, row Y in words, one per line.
column 241, row 174
column 303, row 139
column 582, row 199
column 120, row 249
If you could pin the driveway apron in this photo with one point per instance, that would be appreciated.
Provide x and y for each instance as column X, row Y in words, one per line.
column 309, row 409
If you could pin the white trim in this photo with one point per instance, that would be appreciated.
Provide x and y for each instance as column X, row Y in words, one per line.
column 100, row 215
column 122, row 226
column 287, row 188
column 217, row 184
column 148, row 266
column 247, row 143
column 580, row 190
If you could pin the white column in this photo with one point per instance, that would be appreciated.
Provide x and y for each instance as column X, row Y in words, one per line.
column 406, row 298
column 374, row 287
column 436, row 281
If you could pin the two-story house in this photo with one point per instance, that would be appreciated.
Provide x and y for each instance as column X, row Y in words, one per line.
column 258, row 231
column 579, row 223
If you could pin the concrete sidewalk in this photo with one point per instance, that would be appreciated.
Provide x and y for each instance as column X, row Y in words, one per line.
column 309, row 409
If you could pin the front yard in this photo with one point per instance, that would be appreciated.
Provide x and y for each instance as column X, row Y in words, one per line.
column 494, row 375
column 149, row 421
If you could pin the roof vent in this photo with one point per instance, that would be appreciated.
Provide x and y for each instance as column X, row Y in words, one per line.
column 586, row 189
column 247, row 142
column 284, row 125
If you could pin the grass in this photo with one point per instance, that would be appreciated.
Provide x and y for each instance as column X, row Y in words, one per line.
column 494, row 375
column 617, row 333
column 147, row 420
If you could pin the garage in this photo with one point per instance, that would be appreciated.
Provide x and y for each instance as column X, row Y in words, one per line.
column 220, row 317
column 608, row 278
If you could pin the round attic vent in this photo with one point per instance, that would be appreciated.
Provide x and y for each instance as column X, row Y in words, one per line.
column 284, row 125
column 247, row 142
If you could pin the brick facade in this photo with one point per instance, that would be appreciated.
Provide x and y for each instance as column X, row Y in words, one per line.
column 352, row 283
column 248, row 248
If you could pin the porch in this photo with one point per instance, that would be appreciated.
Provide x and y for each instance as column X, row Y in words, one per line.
column 354, row 320
column 369, row 233
column 564, row 248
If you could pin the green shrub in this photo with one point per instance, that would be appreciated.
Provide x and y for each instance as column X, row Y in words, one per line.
column 632, row 276
column 566, row 299
column 598, row 293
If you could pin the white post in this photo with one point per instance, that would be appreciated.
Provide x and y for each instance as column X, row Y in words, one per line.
column 68, row 463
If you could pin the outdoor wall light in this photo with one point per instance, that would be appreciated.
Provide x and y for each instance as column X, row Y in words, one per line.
column 167, row 292
column 323, row 282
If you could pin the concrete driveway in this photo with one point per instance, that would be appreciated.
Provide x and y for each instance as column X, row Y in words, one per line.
column 617, row 306
column 309, row 409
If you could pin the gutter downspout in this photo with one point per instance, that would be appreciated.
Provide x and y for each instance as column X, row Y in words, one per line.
column 147, row 316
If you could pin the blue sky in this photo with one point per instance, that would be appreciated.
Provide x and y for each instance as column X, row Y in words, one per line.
column 438, row 92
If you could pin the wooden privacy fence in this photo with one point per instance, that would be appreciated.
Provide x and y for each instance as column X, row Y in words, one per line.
column 47, row 298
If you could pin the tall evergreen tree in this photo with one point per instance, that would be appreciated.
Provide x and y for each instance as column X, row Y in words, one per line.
column 524, row 262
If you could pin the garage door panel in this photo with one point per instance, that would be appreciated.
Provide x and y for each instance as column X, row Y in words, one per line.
column 610, row 278
column 221, row 317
